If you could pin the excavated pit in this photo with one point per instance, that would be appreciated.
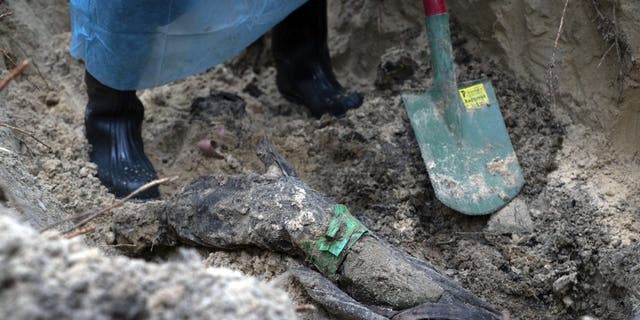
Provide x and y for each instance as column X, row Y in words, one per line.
column 576, row 146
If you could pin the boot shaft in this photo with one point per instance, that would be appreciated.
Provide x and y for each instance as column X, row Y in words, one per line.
column 108, row 103
column 303, row 34
column 113, row 127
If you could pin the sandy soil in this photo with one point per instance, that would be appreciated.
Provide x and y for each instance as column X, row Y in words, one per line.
column 576, row 259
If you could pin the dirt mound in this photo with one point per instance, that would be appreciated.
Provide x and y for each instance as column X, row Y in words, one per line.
column 48, row 278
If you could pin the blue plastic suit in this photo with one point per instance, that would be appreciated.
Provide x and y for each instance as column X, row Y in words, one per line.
column 136, row 44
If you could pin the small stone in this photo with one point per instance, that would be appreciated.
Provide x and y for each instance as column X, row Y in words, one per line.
column 536, row 213
column 52, row 99
column 166, row 297
column 565, row 283
column 582, row 162
column 568, row 302
column 51, row 165
column 586, row 254
column 232, row 162
column 616, row 243
column 84, row 256
column 514, row 218
column 110, row 237
column 84, row 172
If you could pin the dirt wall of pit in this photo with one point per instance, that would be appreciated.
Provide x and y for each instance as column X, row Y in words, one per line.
column 593, row 74
column 593, row 78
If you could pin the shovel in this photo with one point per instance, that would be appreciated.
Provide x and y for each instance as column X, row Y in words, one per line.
column 463, row 140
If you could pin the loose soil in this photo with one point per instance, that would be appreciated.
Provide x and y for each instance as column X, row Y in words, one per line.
column 578, row 260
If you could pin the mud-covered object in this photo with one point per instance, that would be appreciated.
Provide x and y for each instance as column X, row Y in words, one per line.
column 278, row 212
column 343, row 232
column 332, row 298
column 218, row 104
column 131, row 45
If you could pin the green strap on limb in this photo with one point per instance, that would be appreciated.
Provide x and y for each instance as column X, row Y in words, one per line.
column 328, row 252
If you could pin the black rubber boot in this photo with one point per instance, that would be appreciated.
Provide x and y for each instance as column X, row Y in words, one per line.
column 113, row 122
column 301, row 53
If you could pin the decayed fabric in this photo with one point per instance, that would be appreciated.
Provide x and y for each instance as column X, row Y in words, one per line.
column 130, row 45
column 276, row 211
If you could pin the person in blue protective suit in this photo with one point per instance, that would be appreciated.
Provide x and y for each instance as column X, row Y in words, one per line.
column 129, row 45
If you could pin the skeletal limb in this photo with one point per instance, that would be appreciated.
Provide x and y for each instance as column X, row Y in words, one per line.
column 278, row 212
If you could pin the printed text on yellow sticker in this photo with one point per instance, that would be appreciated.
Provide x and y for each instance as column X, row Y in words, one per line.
column 474, row 97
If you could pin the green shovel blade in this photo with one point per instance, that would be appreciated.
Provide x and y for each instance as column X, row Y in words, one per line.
column 461, row 133
column 469, row 156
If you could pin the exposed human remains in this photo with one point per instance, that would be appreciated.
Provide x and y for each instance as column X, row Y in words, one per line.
column 276, row 211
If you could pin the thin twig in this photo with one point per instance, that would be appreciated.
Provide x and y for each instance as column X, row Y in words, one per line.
column 14, row 73
column 619, row 51
column 80, row 232
column 88, row 216
column 552, row 63
column 122, row 201
column 8, row 57
column 5, row 14
column 595, row 6
column 611, row 34
column 24, row 52
column 27, row 133
column 606, row 53
column 26, row 145
column 564, row 13
column 616, row 32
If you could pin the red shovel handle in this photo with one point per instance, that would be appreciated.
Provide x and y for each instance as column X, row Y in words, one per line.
column 434, row 7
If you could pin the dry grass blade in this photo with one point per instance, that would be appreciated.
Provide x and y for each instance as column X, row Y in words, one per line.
column 120, row 202
column 606, row 53
column 8, row 57
column 552, row 78
column 88, row 216
column 27, row 133
column 81, row 232
column 14, row 73
column 564, row 13
column 5, row 14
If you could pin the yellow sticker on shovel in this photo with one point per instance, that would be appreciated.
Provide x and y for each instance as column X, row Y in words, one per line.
column 474, row 97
